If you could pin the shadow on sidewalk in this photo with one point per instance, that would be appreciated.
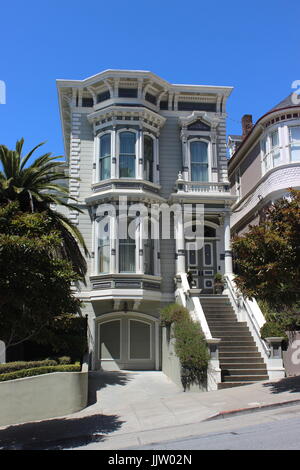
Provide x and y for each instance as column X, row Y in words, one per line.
column 289, row 384
column 60, row 433
column 101, row 379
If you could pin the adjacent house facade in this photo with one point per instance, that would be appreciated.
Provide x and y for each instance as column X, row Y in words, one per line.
column 264, row 161
column 137, row 143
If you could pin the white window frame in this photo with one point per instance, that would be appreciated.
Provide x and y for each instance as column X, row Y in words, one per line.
column 290, row 142
column 137, row 245
column 137, row 153
column 97, row 156
column 268, row 155
column 96, row 251
column 209, row 158
column 155, row 155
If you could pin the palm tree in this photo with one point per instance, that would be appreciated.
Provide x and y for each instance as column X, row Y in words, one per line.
column 38, row 186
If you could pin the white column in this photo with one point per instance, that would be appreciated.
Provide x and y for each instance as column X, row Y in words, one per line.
column 140, row 246
column 180, row 248
column 227, row 243
column 113, row 244
column 114, row 153
column 140, row 156
column 157, row 345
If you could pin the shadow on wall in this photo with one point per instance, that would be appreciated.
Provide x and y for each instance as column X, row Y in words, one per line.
column 101, row 379
column 289, row 384
column 61, row 433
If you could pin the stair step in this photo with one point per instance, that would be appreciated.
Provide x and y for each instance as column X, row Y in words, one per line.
column 228, row 323
column 228, row 333
column 226, row 371
column 245, row 378
column 231, row 361
column 232, row 350
column 239, row 354
column 223, row 385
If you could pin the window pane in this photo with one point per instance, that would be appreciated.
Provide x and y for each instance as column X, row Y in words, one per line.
column 127, row 247
column 126, row 257
column 127, row 155
column 207, row 255
column 199, row 172
column 274, row 139
column 295, row 153
column 127, row 143
column 127, row 166
column 105, row 152
column 140, row 338
column 276, row 158
column 104, row 248
column 199, row 152
column 295, row 134
column 148, row 158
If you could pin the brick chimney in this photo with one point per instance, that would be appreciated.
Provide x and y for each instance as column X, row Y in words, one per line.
column 246, row 124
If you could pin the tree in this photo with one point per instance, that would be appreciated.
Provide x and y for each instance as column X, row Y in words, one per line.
column 36, row 187
column 268, row 255
column 35, row 285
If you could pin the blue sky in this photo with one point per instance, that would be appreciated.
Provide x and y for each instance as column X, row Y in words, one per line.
column 252, row 46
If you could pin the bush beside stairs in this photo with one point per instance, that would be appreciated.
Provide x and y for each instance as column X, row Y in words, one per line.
column 240, row 361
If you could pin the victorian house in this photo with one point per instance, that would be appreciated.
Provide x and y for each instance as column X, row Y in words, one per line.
column 264, row 161
column 135, row 143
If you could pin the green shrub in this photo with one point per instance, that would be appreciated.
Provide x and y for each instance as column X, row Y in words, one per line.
column 39, row 371
column 173, row 313
column 190, row 346
column 64, row 360
column 21, row 365
column 271, row 329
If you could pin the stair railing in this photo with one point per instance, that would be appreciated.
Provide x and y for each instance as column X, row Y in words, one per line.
column 192, row 303
column 248, row 310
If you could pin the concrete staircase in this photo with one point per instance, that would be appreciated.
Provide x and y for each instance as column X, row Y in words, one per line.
column 240, row 361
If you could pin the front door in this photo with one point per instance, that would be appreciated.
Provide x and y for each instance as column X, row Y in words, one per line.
column 202, row 265
column 126, row 342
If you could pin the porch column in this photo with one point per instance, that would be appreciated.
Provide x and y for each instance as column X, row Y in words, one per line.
column 227, row 243
column 140, row 155
column 180, row 247
column 113, row 246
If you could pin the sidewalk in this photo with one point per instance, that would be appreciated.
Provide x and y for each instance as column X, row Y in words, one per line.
column 134, row 408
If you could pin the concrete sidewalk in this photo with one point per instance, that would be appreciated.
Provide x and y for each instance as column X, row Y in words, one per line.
column 133, row 408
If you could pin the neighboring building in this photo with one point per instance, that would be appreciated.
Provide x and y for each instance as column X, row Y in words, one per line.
column 265, row 162
column 133, row 134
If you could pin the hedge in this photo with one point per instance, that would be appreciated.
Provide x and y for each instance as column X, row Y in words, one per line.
column 20, row 365
column 39, row 371
column 190, row 346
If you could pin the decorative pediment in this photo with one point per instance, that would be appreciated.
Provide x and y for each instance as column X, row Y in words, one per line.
column 198, row 125
column 199, row 121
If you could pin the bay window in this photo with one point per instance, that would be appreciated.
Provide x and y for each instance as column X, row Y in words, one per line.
column 199, row 161
column 127, row 155
column 105, row 157
column 275, row 150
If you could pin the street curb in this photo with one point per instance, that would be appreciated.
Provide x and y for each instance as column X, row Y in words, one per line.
column 229, row 413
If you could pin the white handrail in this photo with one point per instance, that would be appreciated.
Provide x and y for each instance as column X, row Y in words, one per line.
column 196, row 311
column 252, row 310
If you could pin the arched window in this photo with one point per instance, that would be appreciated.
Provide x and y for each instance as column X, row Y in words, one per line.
column 148, row 158
column 105, row 157
column 127, row 155
column 199, row 161
column 103, row 246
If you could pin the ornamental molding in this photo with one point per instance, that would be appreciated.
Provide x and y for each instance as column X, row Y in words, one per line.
column 208, row 118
